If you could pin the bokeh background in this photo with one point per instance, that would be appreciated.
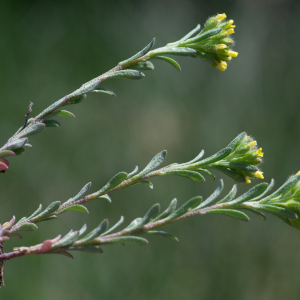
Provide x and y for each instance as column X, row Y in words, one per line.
column 49, row 48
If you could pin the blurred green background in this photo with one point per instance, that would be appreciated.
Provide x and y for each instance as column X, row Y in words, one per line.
column 49, row 48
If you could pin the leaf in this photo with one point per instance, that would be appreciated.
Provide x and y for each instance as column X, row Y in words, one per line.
column 182, row 51
column 253, row 192
column 22, row 219
column 150, row 215
column 188, row 206
column 88, row 248
column 64, row 253
column 229, row 212
column 67, row 240
column 199, row 156
column 271, row 185
column 82, row 230
column 65, row 113
column 19, row 143
column 214, row 158
column 9, row 224
column 32, row 129
column 139, row 54
column 104, row 91
column 214, row 195
column 240, row 166
column 207, row 172
column 257, row 213
column 134, row 223
column 163, row 234
column 113, row 182
column 50, row 209
column 275, row 210
column 6, row 153
column 36, row 212
column 51, row 123
column 106, row 197
column 96, row 232
column 133, row 172
column 230, row 196
column 186, row 173
column 77, row 207
column 191, row 33
column 234, row 142
column 147, row 182
column 134, row 240
column 171, row 61
column 204, row 36
column 81, row 192
column 231, row 173
column 171, row 208
column 27, row 227
column 114, row 227
column 48, row 219
column 145, row 65
column 19, row 151
column 154, row 163
column 76, row 100
column 126, row 74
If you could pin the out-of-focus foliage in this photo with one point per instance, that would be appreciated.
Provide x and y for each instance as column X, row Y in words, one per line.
column 49, row 48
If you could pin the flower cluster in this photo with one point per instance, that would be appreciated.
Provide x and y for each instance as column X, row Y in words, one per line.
column 213, row 42
column 242, row 162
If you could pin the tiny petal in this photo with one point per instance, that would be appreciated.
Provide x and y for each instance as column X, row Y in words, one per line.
column 230, row 31
column 220, row 17
column 222, row 66
column 247, row 179
column 259, row 174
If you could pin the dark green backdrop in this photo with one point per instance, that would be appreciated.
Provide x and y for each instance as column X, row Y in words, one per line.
column 49, row 48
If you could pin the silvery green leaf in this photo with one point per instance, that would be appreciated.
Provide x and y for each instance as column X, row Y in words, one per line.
column 147, row 182
column 233, row 143
column 134, row 240
column 150, row 215
column 19, row 143
column 213, row 196
column 201, row 37
column 126, row 74
column 253, row 192
column 82, row 230
column 271, row 185
column 36, row 212
column 171, row 208
column 51, row 123
column 22, row 219
column 114, row 227
column 67, row 240
column 229, row 212
column 214, row 158
column 77, row 207
column 88, row 248
column 188, row 206
column 240, row 166
column 187, row 173
column 50, row 209
column 96, row 232
column 115, row 181
column 162, row 233
column 206, row 172
column 32, row 129
column 257, row 213
column 27, row 227
column 199, row 156
column 104, row 91
column 76, row 100
column 231, row 173
column 276, row 210
column 80, row 194
column 171, row 61
column 48, row 219
column 61, row 113
column 154, row 163
column 191, row 33
column 139, row 54
column 106, row 197
column 135, row 223
column 6, row 153
column 181, row 51
column 28, row 145
column 144, row 65
column 133, row 172
column 230, row 196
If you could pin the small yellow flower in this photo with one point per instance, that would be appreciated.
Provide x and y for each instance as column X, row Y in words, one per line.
column 229, row 24
column 220, row 17
column 247, row 179
column 252, row 144
column 230, row 31
column 259, row 174
column 221, row 47
column 233, row 53
column 261, row 154
column 222, row 66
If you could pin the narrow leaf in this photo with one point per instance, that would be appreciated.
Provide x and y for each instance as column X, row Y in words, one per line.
column 6, row 153
column 163, row 234
column 191, row 33
column 277, row 211
column 188, row 206
column 77, row 100
column 48, row 219
column 126, row 74
column 19, row 143
column 67, row 240
column 114, row 227
column 150, row 215
column 258, row 213
column 51, row 123
column 77, row 207
column 145, row 65
column 134, row 240
column 106, row 197
column 139, row 54
column 204, row 36
column 50, row 209
column 133, row 172
column 27, row 227
column 104, row 91
column 36, row 212
column 229, row 212
column 231, row 173
column 65, row 113
column 80, row 194
column 171, row 208
column 230, row 196
column 186, row 173
column 271, row 185
column 234, row 142
column 96, row 232
column 82, row 230
column 147, row 182
column 199, row 156
column 134, row 223
column 64, row 253
column 171, row 61
column 207, row 172
column 181, row 51
column 213, row 196
column 154, row 163
column 253, row 192
column 32, row 129
column 88, row 248
column 214, row 158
